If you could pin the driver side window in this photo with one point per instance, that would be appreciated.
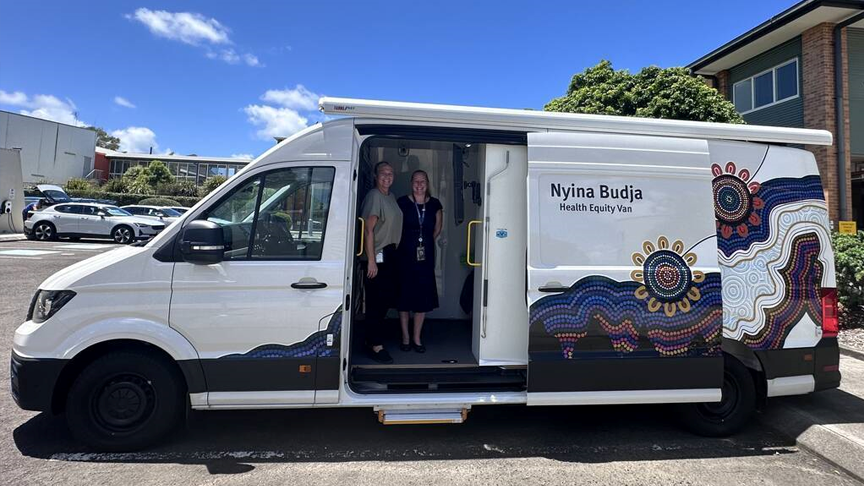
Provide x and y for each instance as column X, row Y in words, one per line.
column 279, row 215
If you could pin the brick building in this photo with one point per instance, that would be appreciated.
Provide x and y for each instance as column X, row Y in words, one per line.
column 804, row 68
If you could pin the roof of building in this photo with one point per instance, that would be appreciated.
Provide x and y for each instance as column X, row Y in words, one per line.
column 165, row 158
column 778, row 29
column 543, row 120
column 46, row 120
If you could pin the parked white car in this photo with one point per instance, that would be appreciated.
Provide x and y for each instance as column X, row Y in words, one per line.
column 164, row 213
column 179, row 209
column 84, row 220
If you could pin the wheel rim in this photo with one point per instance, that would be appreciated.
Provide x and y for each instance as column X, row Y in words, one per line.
column 122, row 235
column 43, row 232
column 730, row 396
column 123, row 403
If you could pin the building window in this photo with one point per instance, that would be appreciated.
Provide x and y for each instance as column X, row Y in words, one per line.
column 767, row 88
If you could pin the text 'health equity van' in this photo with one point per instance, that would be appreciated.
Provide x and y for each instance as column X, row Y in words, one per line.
column 581, row 260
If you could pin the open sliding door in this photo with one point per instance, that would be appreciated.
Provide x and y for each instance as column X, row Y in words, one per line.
column 624, row 288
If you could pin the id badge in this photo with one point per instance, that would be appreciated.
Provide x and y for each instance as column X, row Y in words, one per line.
column 421, row 253
column 379, row 257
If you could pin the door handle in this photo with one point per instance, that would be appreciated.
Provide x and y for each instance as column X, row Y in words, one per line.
column 553, row 288
column 308, row 285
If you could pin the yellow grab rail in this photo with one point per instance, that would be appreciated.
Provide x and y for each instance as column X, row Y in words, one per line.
column 362, row 235
column 468, row 251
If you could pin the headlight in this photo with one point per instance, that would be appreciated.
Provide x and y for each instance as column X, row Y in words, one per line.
column 142, row 225
column 46, row 303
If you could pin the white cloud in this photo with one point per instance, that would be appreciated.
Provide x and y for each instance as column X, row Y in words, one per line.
column 190, row 28
column 136, row 139
column 196, row 30
column 298, row 98
column 123, row 102
column 252, row 60
column 48, row 107
column 242, row 156
column 276, row 122
column 15, row 99
column 294, row 109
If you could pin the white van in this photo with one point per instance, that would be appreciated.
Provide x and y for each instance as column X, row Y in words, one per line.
column 583, row 260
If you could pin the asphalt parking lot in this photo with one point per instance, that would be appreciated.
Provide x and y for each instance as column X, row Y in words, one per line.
column 497, row 445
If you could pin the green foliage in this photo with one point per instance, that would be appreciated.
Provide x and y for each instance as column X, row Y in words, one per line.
column 849, row 266
column 652, row 93
column 116, row 185
column 182, row 188
column 123, row 199
column 211, row 184
column 159, row 201
column 77, row 183
column 104, row 140
column 159, row 173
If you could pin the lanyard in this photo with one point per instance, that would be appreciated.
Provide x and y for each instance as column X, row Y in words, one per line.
column 420, row 217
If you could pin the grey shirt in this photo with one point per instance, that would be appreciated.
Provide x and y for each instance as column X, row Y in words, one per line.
column 388, row 229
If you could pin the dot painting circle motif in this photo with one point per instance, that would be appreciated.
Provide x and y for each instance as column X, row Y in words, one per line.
column 732, row 199
column 668, row 281
column 667, row 275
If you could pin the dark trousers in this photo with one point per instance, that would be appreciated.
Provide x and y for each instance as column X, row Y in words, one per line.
column 381, row 296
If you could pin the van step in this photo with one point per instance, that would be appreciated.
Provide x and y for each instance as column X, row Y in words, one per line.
column 371, row 380
column 428, row 416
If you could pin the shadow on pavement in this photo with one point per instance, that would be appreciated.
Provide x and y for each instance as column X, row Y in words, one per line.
column 223, row 440
column 829, row 407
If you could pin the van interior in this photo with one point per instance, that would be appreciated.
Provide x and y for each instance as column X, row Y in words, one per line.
column 454, row 358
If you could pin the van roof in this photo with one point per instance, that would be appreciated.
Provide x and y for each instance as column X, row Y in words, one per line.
column 544, row 120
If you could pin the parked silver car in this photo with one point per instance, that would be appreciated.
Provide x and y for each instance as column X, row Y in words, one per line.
column 166, row 214
column 84, row 220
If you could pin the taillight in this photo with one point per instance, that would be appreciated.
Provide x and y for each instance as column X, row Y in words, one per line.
column 830, row 323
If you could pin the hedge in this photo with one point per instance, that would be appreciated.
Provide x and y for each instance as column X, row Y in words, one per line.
column 121, row 199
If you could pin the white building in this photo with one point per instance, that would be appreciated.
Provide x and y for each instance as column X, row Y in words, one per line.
column 50, row 151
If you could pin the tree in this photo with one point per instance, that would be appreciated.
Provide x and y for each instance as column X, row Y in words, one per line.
column 652, row 93
column 159, row 173
column 104, row 140
column 211, row 184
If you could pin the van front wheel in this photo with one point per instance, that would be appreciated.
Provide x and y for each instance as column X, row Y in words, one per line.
column 125, row 401
column 732, row 412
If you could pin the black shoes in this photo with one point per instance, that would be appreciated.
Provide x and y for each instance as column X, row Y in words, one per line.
column 419, row 348
column 382, row 356
column 405, row 347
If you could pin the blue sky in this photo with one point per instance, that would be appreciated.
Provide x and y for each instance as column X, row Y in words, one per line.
column 219, row 78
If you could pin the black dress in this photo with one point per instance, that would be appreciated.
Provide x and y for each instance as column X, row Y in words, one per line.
column 418, row 291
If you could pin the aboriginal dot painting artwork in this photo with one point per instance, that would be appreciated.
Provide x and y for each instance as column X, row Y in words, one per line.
column 314, row 345
column 774, row 255
column 667, row 309
column 774, row 251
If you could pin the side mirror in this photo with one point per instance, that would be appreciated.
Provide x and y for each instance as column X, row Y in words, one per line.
column 202, row 243
column 101, row 214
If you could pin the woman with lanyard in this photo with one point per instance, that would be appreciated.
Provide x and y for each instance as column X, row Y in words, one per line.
column 421, row 225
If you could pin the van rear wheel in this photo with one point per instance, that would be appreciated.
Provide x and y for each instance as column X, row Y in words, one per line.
column 732, row 412
column 125, row 401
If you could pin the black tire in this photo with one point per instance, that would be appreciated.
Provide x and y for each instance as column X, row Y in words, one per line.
column 44, row 231
column 123, row 234
column 735, row 409
column 125, row 401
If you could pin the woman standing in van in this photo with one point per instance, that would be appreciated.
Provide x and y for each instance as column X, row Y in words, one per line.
column 383, row 230
column 418, row 292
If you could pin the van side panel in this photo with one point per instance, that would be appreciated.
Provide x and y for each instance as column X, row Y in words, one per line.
column 774, row 252
column 623, row 283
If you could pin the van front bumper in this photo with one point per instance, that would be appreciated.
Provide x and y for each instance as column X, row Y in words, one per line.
column 33, row 381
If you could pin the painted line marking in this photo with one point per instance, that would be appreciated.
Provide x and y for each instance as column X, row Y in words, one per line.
column 67, row 254
column 21, row 257
column 27, row 252
column 82, row 246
